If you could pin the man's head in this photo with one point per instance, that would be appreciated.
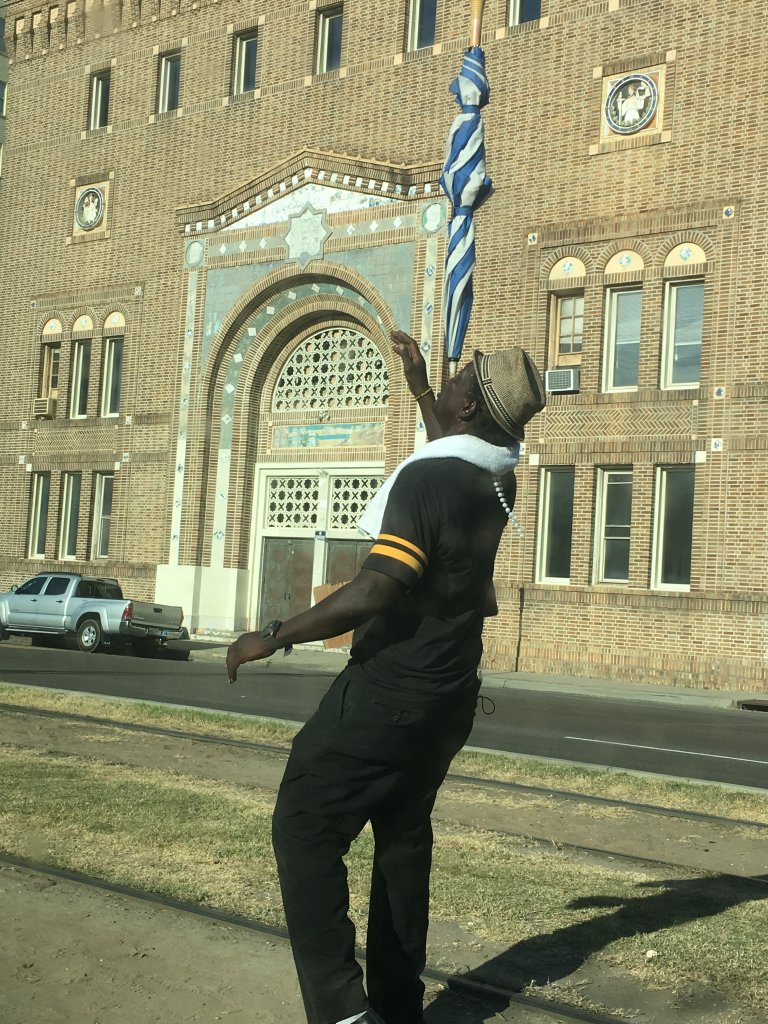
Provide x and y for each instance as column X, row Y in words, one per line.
column 493, row 397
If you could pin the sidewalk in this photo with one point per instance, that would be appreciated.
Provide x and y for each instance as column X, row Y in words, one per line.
column 311, row 658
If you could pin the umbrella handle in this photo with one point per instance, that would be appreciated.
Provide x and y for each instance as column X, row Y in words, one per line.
column 476, row 21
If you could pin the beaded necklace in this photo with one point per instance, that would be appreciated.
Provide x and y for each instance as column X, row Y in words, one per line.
column 505, row 505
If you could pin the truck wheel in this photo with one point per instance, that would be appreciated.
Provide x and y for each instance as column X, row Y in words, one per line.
column 88, row 636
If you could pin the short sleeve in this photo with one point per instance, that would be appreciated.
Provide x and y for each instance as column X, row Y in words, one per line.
column 402, row 549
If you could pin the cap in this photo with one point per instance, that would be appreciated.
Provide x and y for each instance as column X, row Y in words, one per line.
column 512, row 388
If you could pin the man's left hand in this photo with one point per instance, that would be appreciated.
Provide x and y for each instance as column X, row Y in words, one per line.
column 248, row 647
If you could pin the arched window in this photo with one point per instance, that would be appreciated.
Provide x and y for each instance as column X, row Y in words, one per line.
column 333, row 369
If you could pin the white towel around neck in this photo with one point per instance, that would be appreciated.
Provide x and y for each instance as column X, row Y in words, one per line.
column 491, row 457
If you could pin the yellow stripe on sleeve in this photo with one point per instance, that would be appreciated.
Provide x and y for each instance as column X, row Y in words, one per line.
column 405, row 543
column 401, row 556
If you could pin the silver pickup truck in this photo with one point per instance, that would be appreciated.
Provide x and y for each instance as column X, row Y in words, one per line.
column 89, row 613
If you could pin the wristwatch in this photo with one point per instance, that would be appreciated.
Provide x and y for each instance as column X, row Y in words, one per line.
column 270, row 631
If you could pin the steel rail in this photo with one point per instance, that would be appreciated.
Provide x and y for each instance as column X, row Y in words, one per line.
column 474, row 780
column 480, row 990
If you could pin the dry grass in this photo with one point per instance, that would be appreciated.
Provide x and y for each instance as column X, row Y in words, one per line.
column 209, row 842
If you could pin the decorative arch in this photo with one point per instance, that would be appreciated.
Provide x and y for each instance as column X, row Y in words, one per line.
column 619, row 246
column 625, row 261
column 689, row 254
column 556, row 259
column 52, row 328
column 697, row 241
column 114, row 321
column 332, row 369
column 569, row 268
column 283, row 281
column 83, row 322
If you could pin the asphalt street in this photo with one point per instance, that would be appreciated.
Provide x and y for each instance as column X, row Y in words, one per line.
column 713, row 744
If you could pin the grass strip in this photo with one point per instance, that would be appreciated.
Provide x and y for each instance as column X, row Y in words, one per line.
column 659, row 791
column 209, row 842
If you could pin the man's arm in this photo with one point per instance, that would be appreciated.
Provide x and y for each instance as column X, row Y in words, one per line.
column 415, row 370
column 368, row 594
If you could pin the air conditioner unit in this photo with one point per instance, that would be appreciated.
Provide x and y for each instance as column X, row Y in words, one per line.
column 44, row 408
column 562, row 380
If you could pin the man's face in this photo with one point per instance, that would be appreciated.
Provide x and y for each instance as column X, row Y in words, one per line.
column 453, row 398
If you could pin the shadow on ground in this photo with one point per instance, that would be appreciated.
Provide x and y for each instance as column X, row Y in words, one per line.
column 556, row 956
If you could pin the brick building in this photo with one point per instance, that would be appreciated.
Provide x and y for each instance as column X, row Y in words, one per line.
column 213, row 213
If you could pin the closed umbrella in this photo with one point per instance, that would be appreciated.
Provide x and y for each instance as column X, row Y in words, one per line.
column 467, row 186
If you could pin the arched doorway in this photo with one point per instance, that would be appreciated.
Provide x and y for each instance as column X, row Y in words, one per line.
column 326, row 460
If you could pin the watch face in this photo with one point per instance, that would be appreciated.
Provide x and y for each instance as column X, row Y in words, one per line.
column 89, row 209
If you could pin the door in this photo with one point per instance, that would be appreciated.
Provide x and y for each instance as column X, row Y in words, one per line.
column 50, row 606
column 345, row 559
column 22, row 606
column 286, row 577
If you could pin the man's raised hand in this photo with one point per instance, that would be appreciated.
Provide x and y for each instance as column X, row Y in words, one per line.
column 414, row 366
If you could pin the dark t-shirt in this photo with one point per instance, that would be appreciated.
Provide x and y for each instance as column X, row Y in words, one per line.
column 439, row 536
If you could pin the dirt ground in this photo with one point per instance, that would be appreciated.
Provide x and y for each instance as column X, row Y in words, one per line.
column 71, row 953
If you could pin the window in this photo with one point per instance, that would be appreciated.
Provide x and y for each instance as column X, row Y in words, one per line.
column 3, row 91
column 622, row 339
column 102, row 514
column 33, row 586
column 49, row 376
column 38, row 514
column 421, row 24
column 81, row 372
column 555, row 524
column 568, row 327
column 112, row 373
column 70, row 515
column 524, row 10
column 57, row 585
column 329, row 24
column 98, row 108
column 169, row 82
column 613, row 520
column 673, row 533
column 245, row 63
column 683, row 318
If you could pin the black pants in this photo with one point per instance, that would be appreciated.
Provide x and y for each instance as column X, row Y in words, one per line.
column 360, row 759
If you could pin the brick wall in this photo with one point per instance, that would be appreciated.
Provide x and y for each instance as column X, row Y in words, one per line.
column 563, row 189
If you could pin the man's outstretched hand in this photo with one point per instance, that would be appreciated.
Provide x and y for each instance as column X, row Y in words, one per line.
column 414, row 366
column 248, row 647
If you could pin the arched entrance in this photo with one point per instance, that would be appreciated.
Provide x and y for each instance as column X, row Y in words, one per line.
column 324, row 460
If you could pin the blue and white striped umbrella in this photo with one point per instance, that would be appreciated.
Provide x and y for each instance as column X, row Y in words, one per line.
column 467, row 186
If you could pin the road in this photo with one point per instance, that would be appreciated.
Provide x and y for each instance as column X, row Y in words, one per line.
column 717, row 744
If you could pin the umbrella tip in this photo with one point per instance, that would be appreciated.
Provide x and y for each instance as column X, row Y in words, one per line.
column 452, row 364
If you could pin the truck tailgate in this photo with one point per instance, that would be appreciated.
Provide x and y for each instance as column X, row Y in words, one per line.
column 156, row 616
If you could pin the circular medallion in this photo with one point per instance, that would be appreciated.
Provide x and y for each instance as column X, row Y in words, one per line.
column 194, row 254
column 89, row 209
column 433, row 217
column 631, row 104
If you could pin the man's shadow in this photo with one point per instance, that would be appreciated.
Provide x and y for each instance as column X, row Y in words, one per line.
column 556, row 955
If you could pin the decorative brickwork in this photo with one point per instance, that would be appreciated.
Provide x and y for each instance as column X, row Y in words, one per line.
column 237, row 227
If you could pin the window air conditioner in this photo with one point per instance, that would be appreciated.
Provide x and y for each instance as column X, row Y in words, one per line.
column 44, row 408
column 564, row 379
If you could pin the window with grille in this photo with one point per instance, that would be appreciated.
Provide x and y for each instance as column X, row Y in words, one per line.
column 350, row 496
column 333, row 369
column 292, row 502
column 613, row 525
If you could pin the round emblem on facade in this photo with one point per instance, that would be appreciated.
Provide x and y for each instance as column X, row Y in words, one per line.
column 89, row 209
column 433, row 217
column 194, row 254
column 631, row 104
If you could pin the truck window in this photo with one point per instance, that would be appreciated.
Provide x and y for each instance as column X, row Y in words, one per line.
column 110, row 591
column 84, row 589
column 33, row 586
column 57, row 585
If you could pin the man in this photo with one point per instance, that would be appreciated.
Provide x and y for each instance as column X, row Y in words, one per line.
column 380, row 744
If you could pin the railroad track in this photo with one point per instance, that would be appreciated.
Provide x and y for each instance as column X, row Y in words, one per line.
column 473, row 780
column 482, row 992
